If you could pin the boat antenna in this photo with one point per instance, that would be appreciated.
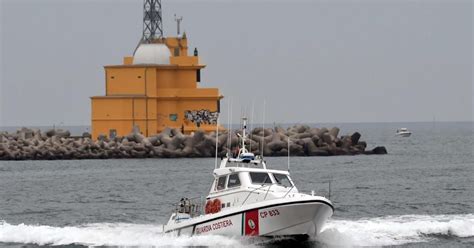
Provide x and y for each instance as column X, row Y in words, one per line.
column 251, row 123
column 288, row 153
column 228, row 125
column 329, row 196
column 231, row 115
column 241, row 114
column 217, row 139
column 230, row 128
column 263, row 128
column 244, row 132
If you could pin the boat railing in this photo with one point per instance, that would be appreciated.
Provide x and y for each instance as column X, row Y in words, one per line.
column 253, row 191
column 192, row 206
column 324, row 194
column 268, row 190
column 289, row 190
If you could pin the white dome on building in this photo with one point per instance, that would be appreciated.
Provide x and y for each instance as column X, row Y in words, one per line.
column 152, row 54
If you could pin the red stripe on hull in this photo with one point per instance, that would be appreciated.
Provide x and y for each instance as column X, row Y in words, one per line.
column 251, row 223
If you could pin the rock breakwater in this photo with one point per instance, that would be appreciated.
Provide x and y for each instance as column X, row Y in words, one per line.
column 33, row 144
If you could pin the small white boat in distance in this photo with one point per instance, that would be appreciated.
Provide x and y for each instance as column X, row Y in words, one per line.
column 403, row 132
column 248, row 199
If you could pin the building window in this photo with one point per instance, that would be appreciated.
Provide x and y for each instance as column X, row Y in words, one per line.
column 176, row 51
column 198, row 75
column 173, row 117
column 112, row 133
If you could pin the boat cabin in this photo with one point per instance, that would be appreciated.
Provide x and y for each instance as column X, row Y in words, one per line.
column 232, row 177
column 240, row 181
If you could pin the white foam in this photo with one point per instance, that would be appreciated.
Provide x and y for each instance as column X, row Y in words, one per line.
column 395, row 230
column 390, row 230
column 108, row 234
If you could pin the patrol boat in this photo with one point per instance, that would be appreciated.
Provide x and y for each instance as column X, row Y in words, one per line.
column 249, row 199
column 403, row 132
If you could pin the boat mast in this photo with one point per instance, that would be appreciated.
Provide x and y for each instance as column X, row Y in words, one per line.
column 243, row 136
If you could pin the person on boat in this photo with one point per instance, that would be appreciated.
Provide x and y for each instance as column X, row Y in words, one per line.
column 187, row 205
column 181, row 206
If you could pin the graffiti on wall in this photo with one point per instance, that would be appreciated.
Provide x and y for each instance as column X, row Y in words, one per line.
column 203, row 116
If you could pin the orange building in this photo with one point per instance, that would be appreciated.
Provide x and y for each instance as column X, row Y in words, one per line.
column 155, row 89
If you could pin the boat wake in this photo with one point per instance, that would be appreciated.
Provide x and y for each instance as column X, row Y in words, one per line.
column 396, row 230
column 105, row 234
column 390, row 230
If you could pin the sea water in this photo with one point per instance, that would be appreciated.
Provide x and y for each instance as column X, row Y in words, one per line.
column 420, row 194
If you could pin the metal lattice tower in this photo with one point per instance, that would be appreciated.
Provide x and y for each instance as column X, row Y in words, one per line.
column 152, row 21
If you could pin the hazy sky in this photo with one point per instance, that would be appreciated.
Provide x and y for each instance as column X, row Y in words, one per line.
column 312, row 61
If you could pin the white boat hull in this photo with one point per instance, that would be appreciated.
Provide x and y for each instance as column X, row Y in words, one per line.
column 286, row 218
column 404, row 134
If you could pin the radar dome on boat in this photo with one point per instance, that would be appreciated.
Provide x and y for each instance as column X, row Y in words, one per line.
column 152, row 54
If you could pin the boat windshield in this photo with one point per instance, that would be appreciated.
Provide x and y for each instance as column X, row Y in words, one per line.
column 221, row 183
column 234, row 181
column 282, row 180
column 260, row 178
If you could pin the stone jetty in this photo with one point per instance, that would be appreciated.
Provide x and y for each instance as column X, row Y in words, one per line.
column 32, row 144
